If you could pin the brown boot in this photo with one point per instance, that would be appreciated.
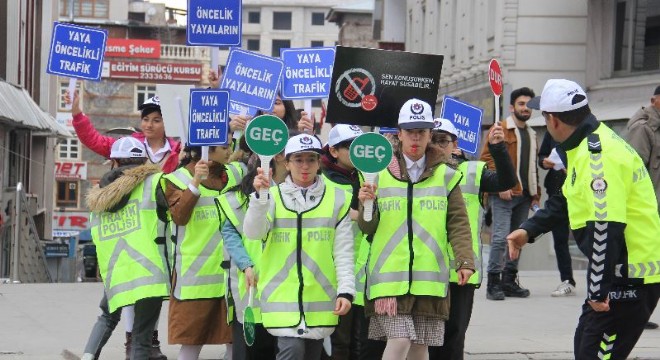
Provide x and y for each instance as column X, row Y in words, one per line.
column 155, row 348
column 127, row 345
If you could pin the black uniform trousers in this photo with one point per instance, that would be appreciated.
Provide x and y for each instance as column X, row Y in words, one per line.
column 615, row 332
column 460, row 312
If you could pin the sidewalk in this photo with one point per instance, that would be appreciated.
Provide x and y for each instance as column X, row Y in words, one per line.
column 52, row 321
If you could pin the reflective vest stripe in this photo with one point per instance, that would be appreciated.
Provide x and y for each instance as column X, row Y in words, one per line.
column 470, row 185
column 644, row 269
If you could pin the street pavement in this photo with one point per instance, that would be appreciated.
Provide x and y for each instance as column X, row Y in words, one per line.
column 52, row 321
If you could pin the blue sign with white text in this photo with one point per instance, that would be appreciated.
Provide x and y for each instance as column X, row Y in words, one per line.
column 213, row 22
column 467, row 121
column 307, row 72
column 77, row 51
column 252, row 79
column 207, row 121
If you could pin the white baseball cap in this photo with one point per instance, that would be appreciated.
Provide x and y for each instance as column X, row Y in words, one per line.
column 127, row 148
column 343, row 132
column 445, row 125
column 559, row 95
column 302, row 143
column 416, row 114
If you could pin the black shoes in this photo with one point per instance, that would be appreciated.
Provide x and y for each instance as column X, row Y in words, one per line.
column 511, row 285
column 494, row 288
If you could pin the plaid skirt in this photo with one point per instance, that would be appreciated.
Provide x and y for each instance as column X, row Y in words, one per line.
column 422, row 330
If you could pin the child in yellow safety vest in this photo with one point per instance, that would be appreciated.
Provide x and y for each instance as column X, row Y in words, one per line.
column 306, row 275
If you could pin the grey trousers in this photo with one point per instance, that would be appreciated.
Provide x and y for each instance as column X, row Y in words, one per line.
column 507, row 216
column 103, row 328
column 291, row 348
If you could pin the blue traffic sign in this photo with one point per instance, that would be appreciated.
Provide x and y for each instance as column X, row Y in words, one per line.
column 307, row 72
column 77, row 51
column 207, row 121
column 213, row 22
column 467, row 121
column 252, row 79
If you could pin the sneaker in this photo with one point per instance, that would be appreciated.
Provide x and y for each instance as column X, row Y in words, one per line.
column 564, row 289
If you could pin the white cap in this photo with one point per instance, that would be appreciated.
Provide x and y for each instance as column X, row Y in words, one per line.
column 153, row 101
column 302, row 143
column 445, row 125
column 343, row 132
column 559, row 95
column 127, row 148
column 416, row 114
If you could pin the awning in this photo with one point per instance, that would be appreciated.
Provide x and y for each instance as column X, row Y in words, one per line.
column 17, row 107
column 604, row 111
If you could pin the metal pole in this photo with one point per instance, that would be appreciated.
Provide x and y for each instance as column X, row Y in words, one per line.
column 17, row 232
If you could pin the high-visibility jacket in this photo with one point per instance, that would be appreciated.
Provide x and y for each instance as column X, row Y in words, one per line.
column 408, row 250
column 607, row 190
column 234, row 206
column 361, row 250
column 300, row 279
column 199, row 248
column 470, row 184
column 131, row 264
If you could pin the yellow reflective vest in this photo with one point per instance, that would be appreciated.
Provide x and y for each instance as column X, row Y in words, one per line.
column 409, row 248
column 234, row 206
column 299, row 279
column 199, row 248
column 131, row 264
column 470, row 185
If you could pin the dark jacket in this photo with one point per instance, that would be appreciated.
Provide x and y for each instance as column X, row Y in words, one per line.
column 340, row 176
column 555, row 178
column 503, row 177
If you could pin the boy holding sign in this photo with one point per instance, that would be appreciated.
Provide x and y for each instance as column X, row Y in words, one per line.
column 420, row 212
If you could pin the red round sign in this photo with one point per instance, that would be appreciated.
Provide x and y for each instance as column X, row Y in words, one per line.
column 495, row 77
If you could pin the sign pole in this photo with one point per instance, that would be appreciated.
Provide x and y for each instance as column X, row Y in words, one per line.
column 497, row 108
column 265, row 168
column 215, row 59
column 184, row 125
column 72, row 92
column 307, row 106
column 369, row 204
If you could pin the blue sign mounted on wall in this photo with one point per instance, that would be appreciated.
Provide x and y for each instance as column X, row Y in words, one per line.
column 207, row 121
column 467, row 121
column 307, row 72
column 252, row 79
column 213, row 22
column 77, row 51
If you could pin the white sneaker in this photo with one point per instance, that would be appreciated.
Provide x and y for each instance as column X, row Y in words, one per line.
column 564, row 289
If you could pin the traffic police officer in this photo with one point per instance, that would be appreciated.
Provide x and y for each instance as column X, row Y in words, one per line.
column 610, row 203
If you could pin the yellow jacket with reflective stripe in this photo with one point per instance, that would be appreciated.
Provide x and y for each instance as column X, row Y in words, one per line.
column 409, row 248
column 361, row 253
column 131, row 264
column 611, row 205
column 199, row 249
column 233, row 206
column 470, row 184
column 300, row 279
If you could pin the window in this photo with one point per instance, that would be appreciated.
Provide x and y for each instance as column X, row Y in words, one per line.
column 85, row 8
column 254, row 17
column 281, row 21
column 279, row 44
column 67, row 194
column 253, row 44
column 69, row 149
column 637, row 36
column 318, row 19
column 143, row 92
column 18, row 158
column 64, row 87
column 317, row 43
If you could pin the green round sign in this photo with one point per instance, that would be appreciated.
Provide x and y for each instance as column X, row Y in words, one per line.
column 370, row 153
column 266, row 135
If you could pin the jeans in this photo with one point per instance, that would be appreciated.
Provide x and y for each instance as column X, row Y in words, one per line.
column 103, row 328
column 507, row 216
column 560, row 238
